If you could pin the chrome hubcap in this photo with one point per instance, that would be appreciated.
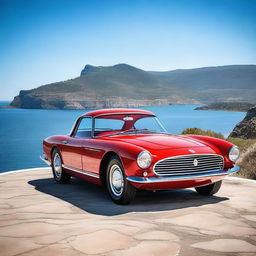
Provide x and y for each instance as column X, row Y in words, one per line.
column 57, row 165
column 116, row 180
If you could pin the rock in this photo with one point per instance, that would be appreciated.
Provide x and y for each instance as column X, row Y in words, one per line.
column 246, row 129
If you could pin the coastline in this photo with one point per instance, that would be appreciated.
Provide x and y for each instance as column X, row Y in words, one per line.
column 226, row 110
column 227, row 106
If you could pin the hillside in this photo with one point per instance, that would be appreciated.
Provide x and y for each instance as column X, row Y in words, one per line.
column 123, row 85
column 227, row 106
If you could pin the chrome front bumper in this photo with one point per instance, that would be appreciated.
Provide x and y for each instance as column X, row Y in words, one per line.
column 44, row 158
column 184, row 177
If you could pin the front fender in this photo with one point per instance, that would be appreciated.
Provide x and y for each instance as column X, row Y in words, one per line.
column 127, row 153
column 220, row 146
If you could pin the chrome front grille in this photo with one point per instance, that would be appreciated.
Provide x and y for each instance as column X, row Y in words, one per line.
column 189, row 165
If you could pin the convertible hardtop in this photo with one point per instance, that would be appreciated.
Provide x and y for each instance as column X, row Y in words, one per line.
column 118, row 111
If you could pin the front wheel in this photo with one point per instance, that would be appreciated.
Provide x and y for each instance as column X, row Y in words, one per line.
column 119, row 189
column 59, row 174
column 210, row 189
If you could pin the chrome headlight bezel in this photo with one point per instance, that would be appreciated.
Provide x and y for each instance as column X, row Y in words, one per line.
column 144, row 159
column 234, row 153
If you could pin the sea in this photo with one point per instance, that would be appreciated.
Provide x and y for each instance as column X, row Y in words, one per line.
column 23, row 130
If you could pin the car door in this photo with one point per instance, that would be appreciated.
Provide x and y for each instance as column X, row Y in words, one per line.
column 73, row 146
column 91, row 156
column 93, row 148
column 71, row 152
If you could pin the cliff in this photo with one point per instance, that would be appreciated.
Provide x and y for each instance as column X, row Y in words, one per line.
column 123, row 85
column 246, row 129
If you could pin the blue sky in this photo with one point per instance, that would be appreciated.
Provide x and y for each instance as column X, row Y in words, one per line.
column 44, row 41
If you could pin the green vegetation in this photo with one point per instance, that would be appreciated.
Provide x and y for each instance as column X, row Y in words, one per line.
column 243, row 144
column 199, row 131
column 247, row 160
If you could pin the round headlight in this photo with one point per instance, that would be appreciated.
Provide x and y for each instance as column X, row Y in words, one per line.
column 234, row 153
column 144, row 159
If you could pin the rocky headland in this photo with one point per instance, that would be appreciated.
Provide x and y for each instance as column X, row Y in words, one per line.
column 227, row 106
column 246, row 129
column 123, row 85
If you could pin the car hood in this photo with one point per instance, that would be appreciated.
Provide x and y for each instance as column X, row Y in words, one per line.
column 160, row 141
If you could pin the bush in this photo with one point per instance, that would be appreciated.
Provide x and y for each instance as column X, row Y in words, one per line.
column 199, row 131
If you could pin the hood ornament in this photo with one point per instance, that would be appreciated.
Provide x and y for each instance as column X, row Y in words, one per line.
column 191, row 150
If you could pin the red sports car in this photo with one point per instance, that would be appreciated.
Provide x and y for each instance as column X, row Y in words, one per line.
column 129, row 149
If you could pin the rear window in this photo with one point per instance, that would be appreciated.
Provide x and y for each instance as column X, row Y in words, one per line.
column 105, row 125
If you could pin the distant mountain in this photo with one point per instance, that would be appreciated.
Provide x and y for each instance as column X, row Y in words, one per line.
column 123, row 85
column 227, row 106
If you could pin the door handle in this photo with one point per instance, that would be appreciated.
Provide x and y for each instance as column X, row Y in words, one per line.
column 65, row 142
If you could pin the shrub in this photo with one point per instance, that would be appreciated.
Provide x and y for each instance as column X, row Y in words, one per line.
column 199, row 131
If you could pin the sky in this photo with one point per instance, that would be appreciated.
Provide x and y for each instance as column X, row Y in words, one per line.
column 45, row 41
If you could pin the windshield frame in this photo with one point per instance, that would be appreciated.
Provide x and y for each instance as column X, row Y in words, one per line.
column 125, row 132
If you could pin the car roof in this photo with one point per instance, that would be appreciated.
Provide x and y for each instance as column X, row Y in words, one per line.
column 114, row 111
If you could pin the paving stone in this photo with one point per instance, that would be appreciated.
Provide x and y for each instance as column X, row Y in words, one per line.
column 157, row 235
column 101, row 242
column 150, row 248
column 11, row 246
column 226, row 245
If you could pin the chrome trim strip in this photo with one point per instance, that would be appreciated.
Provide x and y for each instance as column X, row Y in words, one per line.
column 136, row 179
column 158, row 121
column 43, row 158
column 94, row 175
column 92, row 149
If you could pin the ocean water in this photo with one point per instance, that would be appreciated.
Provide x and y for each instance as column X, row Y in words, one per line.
column 22, row 130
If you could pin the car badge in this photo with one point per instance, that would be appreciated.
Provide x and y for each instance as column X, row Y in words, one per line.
column 128, row 118
column 195, row 162
column 192, row 151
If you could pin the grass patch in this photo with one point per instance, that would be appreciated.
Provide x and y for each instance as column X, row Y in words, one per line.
column 247, row 160
column 243, row 144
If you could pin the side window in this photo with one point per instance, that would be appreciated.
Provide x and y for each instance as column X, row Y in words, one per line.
column 84, row 128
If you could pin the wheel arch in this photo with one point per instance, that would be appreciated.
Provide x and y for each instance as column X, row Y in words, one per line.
column 52, row 149
column 104, row 165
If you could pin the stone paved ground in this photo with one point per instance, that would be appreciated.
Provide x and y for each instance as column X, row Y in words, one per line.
column 39, row 217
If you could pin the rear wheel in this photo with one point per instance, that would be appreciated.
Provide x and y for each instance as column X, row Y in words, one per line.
column 119, row 189
column 210, row 189
column 59, row 174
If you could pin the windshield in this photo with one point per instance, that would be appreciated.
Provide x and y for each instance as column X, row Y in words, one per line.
column 128, row 125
